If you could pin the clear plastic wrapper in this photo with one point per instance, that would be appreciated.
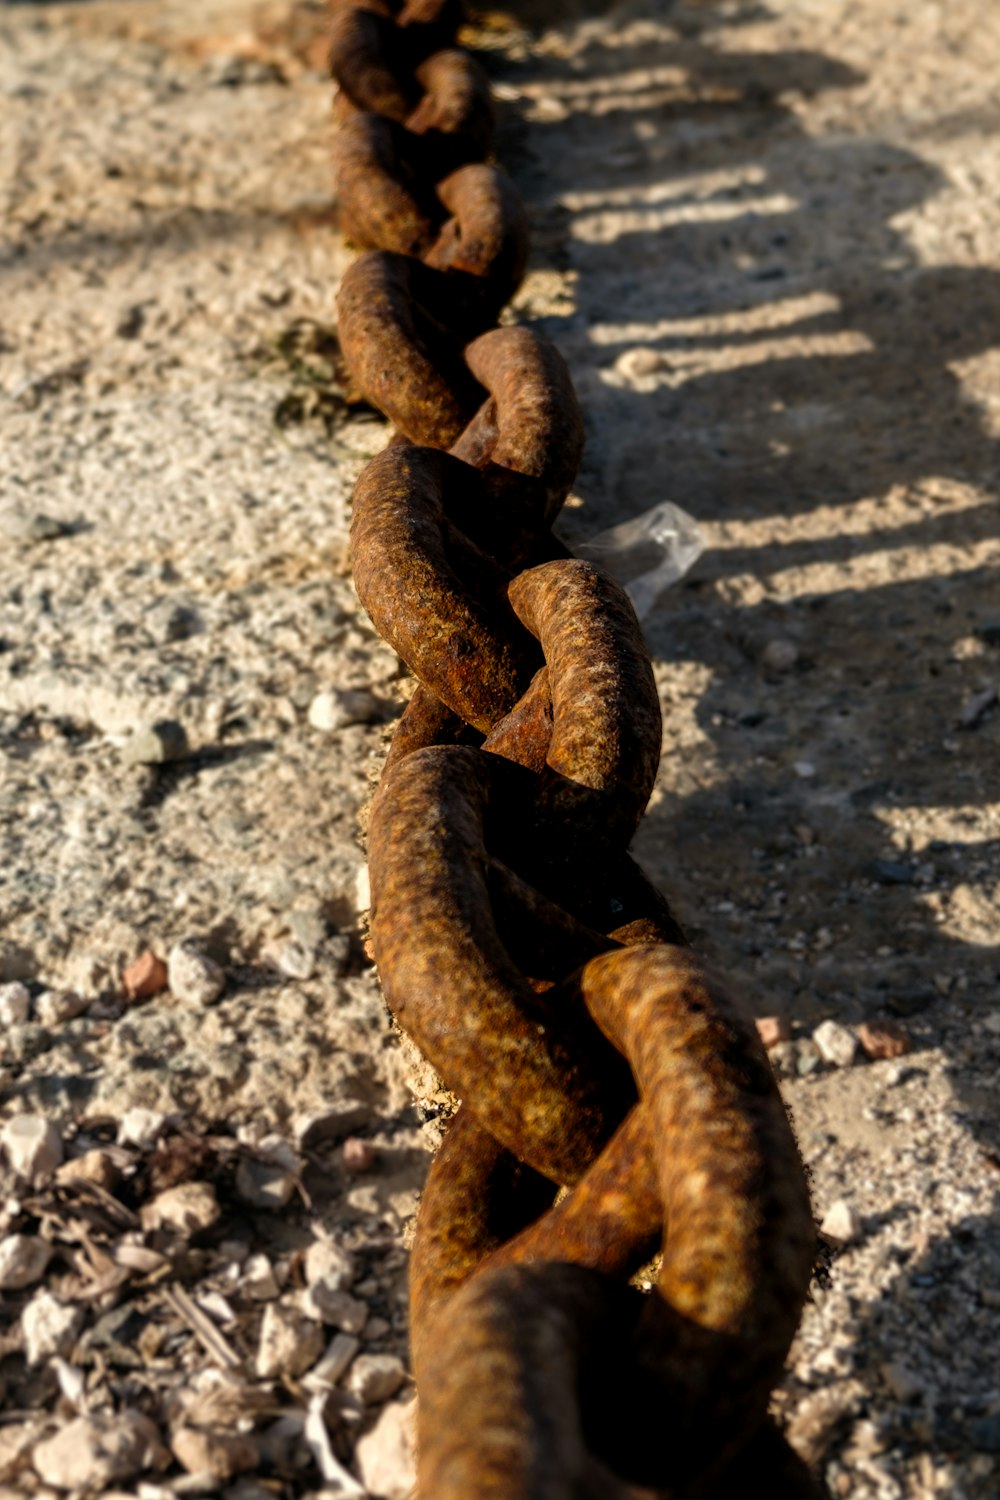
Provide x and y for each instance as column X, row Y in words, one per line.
column 647, row 554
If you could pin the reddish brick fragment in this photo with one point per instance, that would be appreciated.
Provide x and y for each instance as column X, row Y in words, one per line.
column 146, row 977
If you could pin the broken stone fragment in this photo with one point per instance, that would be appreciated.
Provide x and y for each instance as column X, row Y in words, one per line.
column 264, row 1184
column 289, row 1342
column 55, row 1007
column 772, row 1030
column 837, row 1044
column 194, row 976
column 186, row 1209
column 386, row 1456
column 15, row 1004
column 156, row 744
column 91, row 1452
column 883, row 1039
column 23, row 1259
column 141, row 1127
column 50, row 1327
column 32, row 1145
column 375, row 1377
column 840, row 1222
column 220, row 1454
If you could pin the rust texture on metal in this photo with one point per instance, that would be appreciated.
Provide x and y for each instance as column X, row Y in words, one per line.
column 617, row 1109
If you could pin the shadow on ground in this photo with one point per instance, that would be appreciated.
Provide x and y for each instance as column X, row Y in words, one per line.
column 799, row 383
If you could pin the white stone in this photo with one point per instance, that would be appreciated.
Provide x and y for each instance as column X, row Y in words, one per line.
column 375, row 1377
column 835, row 1043
column 50, row 1327
column 23, row 1258
column 840, row 1222
column 32, row 1145
column 91, row 1452
column 193, row 976
column 15, row 1003
column 141, row 1127
column 289, row 1342
column 386, row 1456
column 335, row 709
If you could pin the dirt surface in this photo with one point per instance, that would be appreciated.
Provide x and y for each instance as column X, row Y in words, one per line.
column 767, row 238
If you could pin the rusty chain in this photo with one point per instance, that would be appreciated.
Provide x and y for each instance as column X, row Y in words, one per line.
column 616, row 1101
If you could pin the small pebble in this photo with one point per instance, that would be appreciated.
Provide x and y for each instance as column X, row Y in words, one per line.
column 807, row 1058
column 883, row 1039
column 23, row 1259
column 840, row 1222
column 289, row 1342
column 33, row 1146
column 264, row 1184
column 194, row 976
column 332, row 1124
column 991, row 1023
column 141, row 1127
column 375, row 1377
column 50, row 1327
column 145, row 977
column 95, row 1165
column 156, row 745
column 780, row 655
column 335, row 709
column 772, row 1030
column 259, row 1280
column 327, row 1264
column 30, row 527
column 804, row 769
column 54, row 1007
column 293, row 959
column 220, row 1454
column 15, row 1003
column 835, row 1043
column 639, row 362
column 386, row 1456
column 186, row 1209
column 336, row 1309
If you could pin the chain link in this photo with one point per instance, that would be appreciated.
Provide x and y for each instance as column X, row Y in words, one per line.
column 616, row 1101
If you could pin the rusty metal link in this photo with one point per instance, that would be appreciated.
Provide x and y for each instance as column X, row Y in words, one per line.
column 472, row 222
column 393, row 70
column 616, row 1102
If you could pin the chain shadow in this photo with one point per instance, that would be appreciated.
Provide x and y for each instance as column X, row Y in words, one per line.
column 756, row 338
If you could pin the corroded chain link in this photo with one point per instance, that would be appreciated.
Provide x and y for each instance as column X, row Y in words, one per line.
column 616, row 1102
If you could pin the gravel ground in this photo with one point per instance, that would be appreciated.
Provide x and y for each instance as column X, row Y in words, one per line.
column 768, row 241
